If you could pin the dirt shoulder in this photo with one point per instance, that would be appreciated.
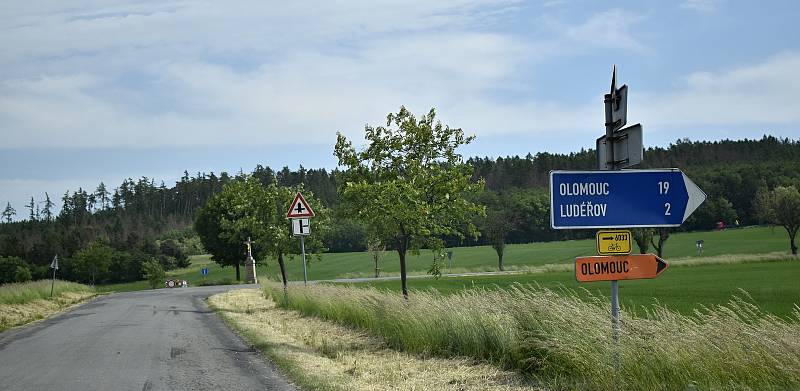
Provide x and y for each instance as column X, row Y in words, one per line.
column 321, row 355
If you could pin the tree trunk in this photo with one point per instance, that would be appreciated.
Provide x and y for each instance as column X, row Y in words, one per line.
column 663, row 235
column 377, row 271
column 402, row 254
column 499, row 248
column 238, row 278
column 283, row 275
column 792, row 235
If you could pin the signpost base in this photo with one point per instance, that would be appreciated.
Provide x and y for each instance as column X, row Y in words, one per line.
column 303, row 250
column 250, row 270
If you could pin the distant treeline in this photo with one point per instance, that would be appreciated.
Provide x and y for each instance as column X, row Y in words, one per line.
column 135, row 216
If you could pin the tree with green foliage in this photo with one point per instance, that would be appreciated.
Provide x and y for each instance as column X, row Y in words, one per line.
column 642, row 237
column 101, row 195
column 376, row 249
column 781, row 206
column 663, row 235
column 22, row 274
column 93, row 262
column 247, row 209
column 9, row 212
column 502, row 217
column 171, row 248
column 211, row 225
column 409, row 185
column 32, row 209
column 10, row 269
column 47, row 212
column 153, row 273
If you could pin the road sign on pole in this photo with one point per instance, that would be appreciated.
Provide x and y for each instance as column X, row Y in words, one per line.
column 299, row 208
column 613, row 242
column 301, row 227
column 616, row 103
column 299, row 212
column 628, row 148
column 622, row 199
column 619, row 267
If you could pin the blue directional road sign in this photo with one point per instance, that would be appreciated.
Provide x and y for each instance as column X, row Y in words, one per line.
column 622, row 199
column 204, row 271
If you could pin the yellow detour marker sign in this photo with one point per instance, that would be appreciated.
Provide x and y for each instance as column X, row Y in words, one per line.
column 613, row 242
column 621, row 267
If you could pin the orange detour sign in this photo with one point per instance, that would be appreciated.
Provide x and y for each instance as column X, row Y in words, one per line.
column 618, row 267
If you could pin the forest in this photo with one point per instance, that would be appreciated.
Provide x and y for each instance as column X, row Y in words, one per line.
column 105, row 235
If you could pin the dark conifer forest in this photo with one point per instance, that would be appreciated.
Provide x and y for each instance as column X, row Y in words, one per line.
column 142, row 219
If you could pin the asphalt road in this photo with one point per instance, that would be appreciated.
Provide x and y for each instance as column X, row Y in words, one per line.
column 165, row 339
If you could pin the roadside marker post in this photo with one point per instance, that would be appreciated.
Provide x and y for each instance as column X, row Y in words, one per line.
column 54, row 266
column 300, row 213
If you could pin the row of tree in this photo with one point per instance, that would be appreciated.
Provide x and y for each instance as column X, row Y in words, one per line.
column 515, row 196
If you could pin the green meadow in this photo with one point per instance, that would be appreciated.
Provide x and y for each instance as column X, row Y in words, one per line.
column 772, row 283
column 757, row 240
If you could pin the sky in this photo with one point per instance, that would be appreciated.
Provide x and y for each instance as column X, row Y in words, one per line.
column 95, row 90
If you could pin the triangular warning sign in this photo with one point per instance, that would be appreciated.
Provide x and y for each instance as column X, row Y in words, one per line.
column 299, row 208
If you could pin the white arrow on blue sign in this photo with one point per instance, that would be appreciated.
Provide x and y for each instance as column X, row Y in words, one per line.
column 622, row 199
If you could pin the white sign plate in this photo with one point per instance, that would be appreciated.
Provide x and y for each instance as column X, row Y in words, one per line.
column 301, row 227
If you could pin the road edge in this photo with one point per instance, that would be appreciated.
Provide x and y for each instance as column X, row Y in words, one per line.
column 300, row 379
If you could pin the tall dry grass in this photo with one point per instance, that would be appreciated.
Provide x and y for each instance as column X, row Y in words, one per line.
column 24, row 302
column 564, row 341
column 23, row 292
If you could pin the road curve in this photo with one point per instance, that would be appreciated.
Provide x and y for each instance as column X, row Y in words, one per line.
column 165, row 339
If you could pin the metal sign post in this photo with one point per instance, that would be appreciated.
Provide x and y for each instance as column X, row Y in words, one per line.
column 613, row 101
column 54, row 266
column 303, row 251
column 616, row 198
column 300, row 213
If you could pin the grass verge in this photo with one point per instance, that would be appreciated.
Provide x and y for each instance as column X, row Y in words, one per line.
column 321, row 355
column 22, row 303
column 563, row 339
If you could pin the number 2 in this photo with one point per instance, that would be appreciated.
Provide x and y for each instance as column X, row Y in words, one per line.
column 667, row 206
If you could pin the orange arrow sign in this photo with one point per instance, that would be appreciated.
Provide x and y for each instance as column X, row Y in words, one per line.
column 618, row 267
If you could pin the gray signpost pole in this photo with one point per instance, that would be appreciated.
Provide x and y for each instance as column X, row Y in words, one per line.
column 611, row 104
column 54, row 266
column 53, row 283
column 303, row 251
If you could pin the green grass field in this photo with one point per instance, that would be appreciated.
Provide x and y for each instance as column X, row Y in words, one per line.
column 757, row 240
column 773, row 285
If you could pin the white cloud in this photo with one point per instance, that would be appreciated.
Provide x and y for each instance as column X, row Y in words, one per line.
column 606, row 29
column 205, row 74
column 763, row 93
column 706, row 6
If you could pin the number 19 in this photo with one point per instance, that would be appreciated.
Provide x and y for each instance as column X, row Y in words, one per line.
column 663, row 187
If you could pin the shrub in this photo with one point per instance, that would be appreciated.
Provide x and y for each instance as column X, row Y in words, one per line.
column 9, row 269
column 23, row 274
